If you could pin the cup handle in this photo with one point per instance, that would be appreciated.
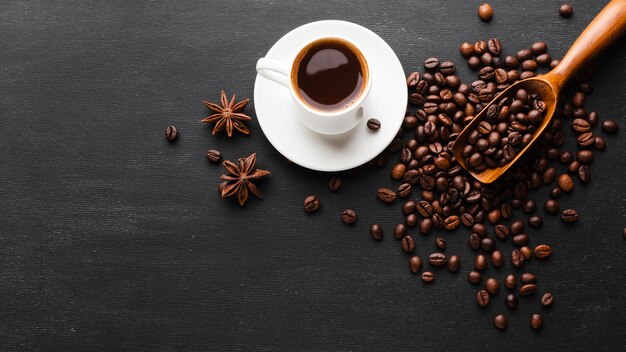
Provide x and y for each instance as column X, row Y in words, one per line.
column 273, row 70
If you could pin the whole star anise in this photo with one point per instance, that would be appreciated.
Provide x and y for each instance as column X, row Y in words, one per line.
column 228, row 115
column 240, row 177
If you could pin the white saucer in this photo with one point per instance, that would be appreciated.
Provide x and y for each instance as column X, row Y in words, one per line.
column 387, row 101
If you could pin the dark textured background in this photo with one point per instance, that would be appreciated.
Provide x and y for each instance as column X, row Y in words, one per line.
column 113, row 239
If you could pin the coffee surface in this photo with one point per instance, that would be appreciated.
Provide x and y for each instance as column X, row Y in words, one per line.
column 329, row 75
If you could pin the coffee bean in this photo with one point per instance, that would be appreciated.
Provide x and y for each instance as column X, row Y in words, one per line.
column 528, row 289
column 452, row 222
column 585, row 156
column 536, row 320
column 520, row 240
column 482, row 298
column 425, row 226
column 415, row 264
column 494, row 46
column 496, row 259
column 516, row 227
column 586, row 139
column 412, row 79
column 485, row 12
column 526, row 252
column 547, row 299
column 511, row 301
column 349, row 216
column 467, row 219
column 399, row 231
column 474, row 277
column 437, row 259
column 373, row 124
column 453, row 263
column 311, row 204
column 467, row 49
column 424, row 208
column 431, row 63
column 499, row 321
column 386, row 195
column 543, row 251
column 214, row 156
column 551, row 206
column 566, row 10
column 447, row 68
column 474, row 241
column 171, row 133
column 524, row 55
column 404, row 190
column 565, row 183
column 428, row 276
column 376, row 231
column 581, row 125
column 334, row 183
column 584, row 174
column 473, row 63
column 539, row 48
column 487, row 244
column 492, row 286
column 408, row 244
column 411, row 220
column 517, row 258
column 441, row 243
column 480, row 263
column 599, row 143
column 510, row 282
column 569, row 215
column 535, row 221
column 502, row 231
column 528, row 278
column 610, row 126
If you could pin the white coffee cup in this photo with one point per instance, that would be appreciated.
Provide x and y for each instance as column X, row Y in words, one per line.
column 328, row 122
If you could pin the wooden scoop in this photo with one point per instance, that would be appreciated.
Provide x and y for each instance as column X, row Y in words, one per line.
column 603, row 30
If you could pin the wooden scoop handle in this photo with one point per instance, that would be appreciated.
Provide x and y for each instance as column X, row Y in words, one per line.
column 602, row 31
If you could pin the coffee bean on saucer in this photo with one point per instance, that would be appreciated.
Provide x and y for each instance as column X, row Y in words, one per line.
column 171, row 133
column 536, row 321
column 334, row 183
column 376, row 231
column 547, row 299
column 408, row 244
column 415, row 264
column 485, row 12
column 373, row 124
column 569, row 215
column 566, row 10
column 499, row 321
column 311, row 204
column 428, row 276
column 349, row 216
column 213, row 155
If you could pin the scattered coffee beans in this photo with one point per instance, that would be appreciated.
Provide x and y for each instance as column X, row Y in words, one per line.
column 373, row 124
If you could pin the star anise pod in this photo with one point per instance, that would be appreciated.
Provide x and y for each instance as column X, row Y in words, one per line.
column 240, row 177
column 228, row 115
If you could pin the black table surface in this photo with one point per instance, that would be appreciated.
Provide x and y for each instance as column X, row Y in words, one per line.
column 113, row 239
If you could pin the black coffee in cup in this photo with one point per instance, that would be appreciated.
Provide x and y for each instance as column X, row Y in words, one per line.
column 329, row 74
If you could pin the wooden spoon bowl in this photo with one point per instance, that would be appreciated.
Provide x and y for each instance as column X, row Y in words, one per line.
column 606, row 27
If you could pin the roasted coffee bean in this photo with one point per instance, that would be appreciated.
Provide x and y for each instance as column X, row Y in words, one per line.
column 425, row 226
column 411, row 220
column 516, row 227
column 543, row 251
column 584, row 174
column 467, row 49
column 517, row 258
column 474, row 277
column 311, row 204
column 547, row 299
column 349, row 216
column 485, row 12
column 214, row 155
column 510, row 282
column 529, row 206
column 408, row 244
column 376, row 231
column 496, row 259
column 467, row 219
column 520, row 240
column 452, row 222
column 499, row 321
column 535, row 221
column 334, row 183
column 480, row 263
column 373, row 124
column 386, row 195
column 171, row 133
column 565, row 183
column 404, row 190
column 447, row 68
column 526, row 252
column 528, row 290
column 492, row 286
column 412, row 79
column 539, row 48
column 431, row 64
column 415, row 264
column 502, row 231
column 428, row 276
column 536, row 320
column 437, row 259
column 453, row 263
column 399, row 231
column 551, row 206
column 408, row 207
column 586, row 139
column 424, row 208
column 569, row 215
column 474, row 241
column 610, row 126
column 524, row 55
column 566, row 10
column 494, row 46
column 585, row 156
column 528, row 278
column 580, row 125
column 599, row 143
column 487, row 244
column 473, row 63
column 511, row 301
column 482, row 298
column 440, row 242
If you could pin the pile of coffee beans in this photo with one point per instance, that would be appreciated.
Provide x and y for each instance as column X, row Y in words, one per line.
column 439, row 196
column 508, row 127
